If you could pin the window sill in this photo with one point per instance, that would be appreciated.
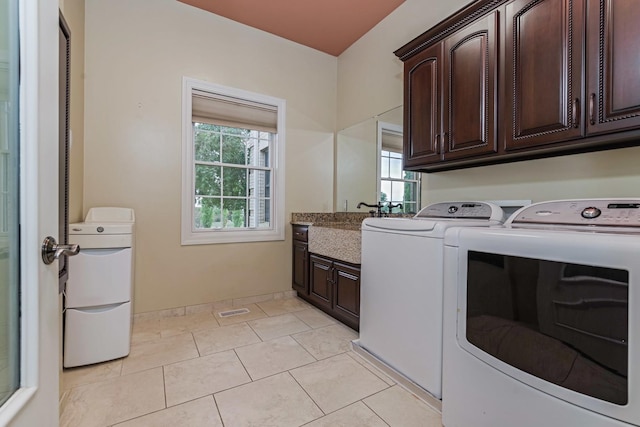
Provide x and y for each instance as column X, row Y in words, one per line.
column 223, row 236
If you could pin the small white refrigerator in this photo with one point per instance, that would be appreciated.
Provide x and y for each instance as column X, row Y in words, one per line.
column 99, row 291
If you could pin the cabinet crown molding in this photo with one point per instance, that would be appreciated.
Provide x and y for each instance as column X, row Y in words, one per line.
column 448, row 26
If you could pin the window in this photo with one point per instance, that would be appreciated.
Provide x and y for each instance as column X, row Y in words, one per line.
column 233, row 164
column 396, row 185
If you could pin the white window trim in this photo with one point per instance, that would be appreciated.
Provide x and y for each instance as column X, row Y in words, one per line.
column 191, row 236
column 384, row 126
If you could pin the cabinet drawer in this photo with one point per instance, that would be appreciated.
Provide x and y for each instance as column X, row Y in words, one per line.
column 300, row 232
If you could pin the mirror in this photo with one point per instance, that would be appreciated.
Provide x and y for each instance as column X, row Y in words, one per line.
column 357, row 160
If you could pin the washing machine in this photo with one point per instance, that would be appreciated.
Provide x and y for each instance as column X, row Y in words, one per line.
column 99, row 291
column 401, row 287
column 540, row 320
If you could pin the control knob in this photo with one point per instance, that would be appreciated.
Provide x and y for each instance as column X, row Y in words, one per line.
column 591, row 212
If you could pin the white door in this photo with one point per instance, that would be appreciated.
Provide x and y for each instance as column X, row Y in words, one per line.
column 34, row 356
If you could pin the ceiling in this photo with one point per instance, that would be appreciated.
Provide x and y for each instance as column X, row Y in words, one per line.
column 330, row 26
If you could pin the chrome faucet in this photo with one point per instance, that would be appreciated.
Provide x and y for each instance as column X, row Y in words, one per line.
column 377, row 212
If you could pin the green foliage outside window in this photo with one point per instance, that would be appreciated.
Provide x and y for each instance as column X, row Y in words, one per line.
column 224, row 157
column 213, row 143
column 206, row 216
column 397, row 185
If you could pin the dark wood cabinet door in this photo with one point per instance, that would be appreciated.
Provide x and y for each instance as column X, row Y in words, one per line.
column 613, row 60
column 470, row 90
column 543, row 72
column 320, row 281
column 346, row 302
column 422, row 100
column 300, row 267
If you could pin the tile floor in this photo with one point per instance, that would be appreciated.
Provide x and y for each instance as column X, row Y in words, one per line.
column 282, row 364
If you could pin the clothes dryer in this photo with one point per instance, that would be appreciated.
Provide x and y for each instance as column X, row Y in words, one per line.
column 540, row 320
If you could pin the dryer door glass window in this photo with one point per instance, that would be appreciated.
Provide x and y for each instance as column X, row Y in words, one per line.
column 563, row 323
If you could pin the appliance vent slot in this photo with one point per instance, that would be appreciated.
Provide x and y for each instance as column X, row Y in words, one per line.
column 235, row 312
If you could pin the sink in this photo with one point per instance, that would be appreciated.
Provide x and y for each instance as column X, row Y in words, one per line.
column 338, row 240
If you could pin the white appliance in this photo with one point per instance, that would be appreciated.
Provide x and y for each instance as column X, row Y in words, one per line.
column 541, row 320
column 99, row 290
column 401, row 287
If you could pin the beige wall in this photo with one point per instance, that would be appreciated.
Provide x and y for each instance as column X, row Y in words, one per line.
column 136, row 54
column 356, row 161
column 369, row 74
column 611, row 173
column 356, row 157
column 369, row 81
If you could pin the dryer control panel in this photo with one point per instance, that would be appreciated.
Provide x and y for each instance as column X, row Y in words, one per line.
column 588, row 212
column 458, row 210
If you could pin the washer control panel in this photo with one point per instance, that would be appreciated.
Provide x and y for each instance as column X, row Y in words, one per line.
column 594, row 212
column 462, row 210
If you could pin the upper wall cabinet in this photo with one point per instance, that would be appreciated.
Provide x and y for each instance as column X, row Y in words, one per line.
column 422, row 116
column 470, row 93
column 450, row 96
column 543, row 72
column 613, row 86
column 503, row 80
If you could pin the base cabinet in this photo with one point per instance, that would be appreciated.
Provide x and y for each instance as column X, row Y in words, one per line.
column 300, row 276
column 334, row 287
column 300, row 267
column 320, row 281
column 346, row 298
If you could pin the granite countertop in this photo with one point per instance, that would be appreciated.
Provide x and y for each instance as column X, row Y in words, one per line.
column 327, row 217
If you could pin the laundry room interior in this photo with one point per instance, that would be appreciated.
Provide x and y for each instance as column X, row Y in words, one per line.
column 301, row 306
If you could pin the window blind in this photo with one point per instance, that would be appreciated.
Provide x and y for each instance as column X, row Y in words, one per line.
column 392, row 141
column 217, row 109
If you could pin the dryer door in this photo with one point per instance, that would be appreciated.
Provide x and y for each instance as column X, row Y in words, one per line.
column 552, row 310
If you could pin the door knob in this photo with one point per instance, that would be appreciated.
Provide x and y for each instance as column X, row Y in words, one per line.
column 51, row 250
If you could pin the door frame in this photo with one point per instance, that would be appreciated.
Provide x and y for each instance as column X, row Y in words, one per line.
column 36, row 401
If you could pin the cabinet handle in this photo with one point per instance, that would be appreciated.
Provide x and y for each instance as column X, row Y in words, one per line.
column 436, row 143
column 592, row 109
column 576, row 115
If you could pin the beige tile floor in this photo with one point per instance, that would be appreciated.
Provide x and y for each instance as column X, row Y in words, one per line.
column 282, row 364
